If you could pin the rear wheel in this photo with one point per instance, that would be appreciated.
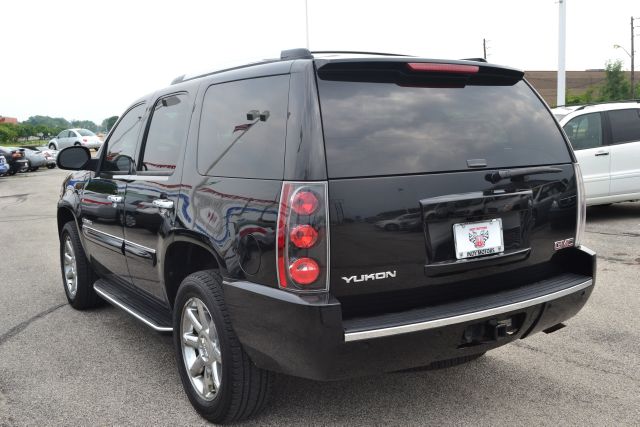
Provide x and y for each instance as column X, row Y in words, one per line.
column 52, row 146
column 51, row 166
column 220, row 380
column 77, row 275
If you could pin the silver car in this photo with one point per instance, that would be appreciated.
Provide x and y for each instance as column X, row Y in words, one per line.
column 70, row 137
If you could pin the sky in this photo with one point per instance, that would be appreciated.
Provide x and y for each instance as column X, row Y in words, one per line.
column 90, row 59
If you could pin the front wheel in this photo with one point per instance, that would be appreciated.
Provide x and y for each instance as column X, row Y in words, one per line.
column 77, row 275
column 220, row 380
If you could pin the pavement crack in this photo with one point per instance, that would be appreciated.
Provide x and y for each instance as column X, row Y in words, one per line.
column 577, row 363
column 622, row 233
column 23, row 325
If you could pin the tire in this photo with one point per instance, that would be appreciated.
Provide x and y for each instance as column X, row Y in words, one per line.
column 11, row 172
column 35, row 169
column 244, row 388
column 51, row 166
column 77, row 143
column 52, row 147
column 84, row 297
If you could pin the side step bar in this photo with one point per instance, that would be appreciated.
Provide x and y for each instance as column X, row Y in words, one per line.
column 464, row 311
column 149, row 312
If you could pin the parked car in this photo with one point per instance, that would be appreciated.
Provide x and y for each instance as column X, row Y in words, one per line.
column 35, row 159
column 16, row 158
column 4, row 166
column 214, row 222
column 50, row 155
column 69, row 137
column 409, row 221
column 606, row 141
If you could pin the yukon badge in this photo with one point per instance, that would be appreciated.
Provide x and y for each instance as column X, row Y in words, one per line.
column 372, row 276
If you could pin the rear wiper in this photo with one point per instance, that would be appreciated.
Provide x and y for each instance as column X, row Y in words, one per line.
column 499, row 175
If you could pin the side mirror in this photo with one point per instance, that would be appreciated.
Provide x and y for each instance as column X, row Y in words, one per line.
column 76, row 158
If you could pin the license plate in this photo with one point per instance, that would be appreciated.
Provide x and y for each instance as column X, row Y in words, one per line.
column 474, row 239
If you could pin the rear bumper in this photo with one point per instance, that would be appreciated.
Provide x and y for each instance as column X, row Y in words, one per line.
column 306, row 336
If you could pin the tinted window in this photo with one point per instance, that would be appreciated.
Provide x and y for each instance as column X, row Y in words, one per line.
column 243, row 127
column 625, row 125
column 121, row 146
column 585, row 131
column 86, row 132
column 167, row 132
column 387, row 129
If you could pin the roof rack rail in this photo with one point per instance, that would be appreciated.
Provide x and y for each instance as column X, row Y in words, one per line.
column 591, row 104
column 358, row 52
column 299, row 53
column 474, row 59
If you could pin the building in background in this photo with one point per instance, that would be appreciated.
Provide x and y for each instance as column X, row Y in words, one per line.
column 11, row 120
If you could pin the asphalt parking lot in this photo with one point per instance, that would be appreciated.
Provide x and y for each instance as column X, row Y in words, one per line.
column 59, row 366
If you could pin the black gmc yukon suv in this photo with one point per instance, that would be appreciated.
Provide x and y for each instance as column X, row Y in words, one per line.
column 329, row 215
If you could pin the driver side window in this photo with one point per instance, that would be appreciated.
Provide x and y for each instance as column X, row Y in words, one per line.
column 585, row 131
column 121, row 146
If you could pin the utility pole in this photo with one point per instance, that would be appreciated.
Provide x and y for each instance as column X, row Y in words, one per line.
column 633, row 71
column 484, row 48
column 562, row 33
column 306, row 20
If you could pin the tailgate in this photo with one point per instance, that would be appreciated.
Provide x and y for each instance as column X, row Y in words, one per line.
column 416, row 149
column 393, row 245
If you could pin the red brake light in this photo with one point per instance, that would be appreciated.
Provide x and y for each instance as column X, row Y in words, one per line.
column 84, row 139
column 304, row 271
column 303, row 236
column 304, row 203
column 443, row 68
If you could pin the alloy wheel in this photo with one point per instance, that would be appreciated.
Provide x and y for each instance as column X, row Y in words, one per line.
column 201, row 350
column 70, row 267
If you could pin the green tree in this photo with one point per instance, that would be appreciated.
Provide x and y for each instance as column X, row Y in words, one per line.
column 8, row 132
column 616, row 86
column 57, row 122
column 108, row 123
column 85, row 124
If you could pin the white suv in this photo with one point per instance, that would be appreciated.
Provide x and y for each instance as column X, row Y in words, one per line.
column 606, row 141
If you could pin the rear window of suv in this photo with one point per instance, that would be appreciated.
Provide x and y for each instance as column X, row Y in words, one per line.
column 374, row 129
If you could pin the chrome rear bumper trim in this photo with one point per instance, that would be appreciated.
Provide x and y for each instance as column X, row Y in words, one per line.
column 446, row 321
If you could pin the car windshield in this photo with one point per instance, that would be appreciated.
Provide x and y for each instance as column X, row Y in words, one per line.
column 85, row 132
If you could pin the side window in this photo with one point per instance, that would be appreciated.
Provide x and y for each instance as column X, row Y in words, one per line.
column 72, row 134
column 121, row 146
column 585, row 131
column 243, row 128
column 625, row 125
column 166, row 134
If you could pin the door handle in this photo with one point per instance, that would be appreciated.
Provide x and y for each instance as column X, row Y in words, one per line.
column 163, row 203
column 115, row 199
column 602, row 153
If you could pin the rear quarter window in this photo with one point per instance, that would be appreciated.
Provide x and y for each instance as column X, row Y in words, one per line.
column 625, row 125
column 388, row 129
column 243, row 128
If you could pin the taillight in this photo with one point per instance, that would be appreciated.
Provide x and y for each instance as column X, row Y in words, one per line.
column 303, row 237
column 304, row 271
column 443, row 68
column 84, row 139
column 581, row 205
